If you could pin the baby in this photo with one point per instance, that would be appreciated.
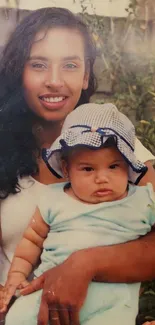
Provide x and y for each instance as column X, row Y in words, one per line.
column 98, row 205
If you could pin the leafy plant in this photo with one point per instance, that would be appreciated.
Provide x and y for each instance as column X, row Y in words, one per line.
column 146, row 134
column 132, row 76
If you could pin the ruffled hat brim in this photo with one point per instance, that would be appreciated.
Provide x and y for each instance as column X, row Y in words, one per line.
column 75, row 137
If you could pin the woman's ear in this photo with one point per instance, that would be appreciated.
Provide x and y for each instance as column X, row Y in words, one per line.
column 64, row 167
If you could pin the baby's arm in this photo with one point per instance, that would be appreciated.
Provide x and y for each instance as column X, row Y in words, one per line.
column 26, row 256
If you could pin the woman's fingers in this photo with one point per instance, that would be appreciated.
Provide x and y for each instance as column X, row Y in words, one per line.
column 48, row 312
column 23, row 284
column 54, row 318
column 63, row 313
column 43, row 315
column 33, row 286
column 74, row 317
column 68, row 315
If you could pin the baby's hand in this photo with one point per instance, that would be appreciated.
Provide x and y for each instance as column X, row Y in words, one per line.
column 15, row 281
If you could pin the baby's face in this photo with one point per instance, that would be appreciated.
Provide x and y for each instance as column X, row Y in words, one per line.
column 97, row 175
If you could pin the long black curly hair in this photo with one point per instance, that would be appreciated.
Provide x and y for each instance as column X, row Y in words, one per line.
column 19, row 148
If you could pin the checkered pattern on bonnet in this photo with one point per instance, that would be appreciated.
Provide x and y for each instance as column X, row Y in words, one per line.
column 101, row 116
column 91, row 125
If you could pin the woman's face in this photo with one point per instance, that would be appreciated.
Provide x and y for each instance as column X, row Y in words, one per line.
column 55, row 74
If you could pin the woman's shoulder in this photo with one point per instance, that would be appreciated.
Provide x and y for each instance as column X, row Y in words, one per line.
column 28, row 182
column 144, row 194
column 142, row 153
column 29, row 193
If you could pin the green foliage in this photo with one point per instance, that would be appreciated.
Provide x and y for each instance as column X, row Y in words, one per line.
column 132, row 75
column 146, row 134
column 146, row 303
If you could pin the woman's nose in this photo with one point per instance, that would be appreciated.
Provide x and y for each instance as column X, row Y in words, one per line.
column 54, row 79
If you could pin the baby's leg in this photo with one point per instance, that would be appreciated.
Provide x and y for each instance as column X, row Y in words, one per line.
column 110, row 303
column 119, row 315
column 25, row 309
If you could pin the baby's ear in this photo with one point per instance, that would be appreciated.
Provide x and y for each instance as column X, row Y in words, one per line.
column 64, row 167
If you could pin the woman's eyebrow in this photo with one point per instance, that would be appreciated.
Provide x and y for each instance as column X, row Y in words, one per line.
column 66, row 58
column 37, row 57
column 72, row 57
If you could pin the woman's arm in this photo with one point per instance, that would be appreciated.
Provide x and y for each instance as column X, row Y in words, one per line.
column 147, row 157
column 149, row 177
column 130, row 262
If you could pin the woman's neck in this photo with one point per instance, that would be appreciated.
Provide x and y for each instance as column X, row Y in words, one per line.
column 45, row 176
column 47, row 132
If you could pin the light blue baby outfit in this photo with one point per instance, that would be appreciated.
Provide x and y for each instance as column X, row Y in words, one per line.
column 76, row 225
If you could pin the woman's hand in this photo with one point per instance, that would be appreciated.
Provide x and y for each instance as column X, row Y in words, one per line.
column 64, row 291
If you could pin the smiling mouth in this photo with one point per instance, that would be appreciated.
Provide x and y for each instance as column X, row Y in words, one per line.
column 52, row 99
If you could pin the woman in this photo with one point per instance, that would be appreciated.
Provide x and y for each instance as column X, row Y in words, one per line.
column 46, row 71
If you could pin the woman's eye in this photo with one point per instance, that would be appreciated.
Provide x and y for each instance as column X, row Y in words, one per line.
column 71, row 66
column 114, row 166
column 38, row 66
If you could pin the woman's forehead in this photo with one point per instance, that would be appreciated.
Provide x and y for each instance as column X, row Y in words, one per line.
column 68, row 42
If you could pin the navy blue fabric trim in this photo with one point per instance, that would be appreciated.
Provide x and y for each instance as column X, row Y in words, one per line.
column 141, row 176
column 137, row 170
column 99, row 129
column 44, row 157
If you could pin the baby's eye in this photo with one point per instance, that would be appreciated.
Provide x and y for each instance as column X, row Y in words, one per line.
column 113, row 166
column 88, row 169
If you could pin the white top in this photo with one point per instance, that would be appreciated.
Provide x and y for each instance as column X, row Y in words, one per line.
column 142, row 153
column 17, row 210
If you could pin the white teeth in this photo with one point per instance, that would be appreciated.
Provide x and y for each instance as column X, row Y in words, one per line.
column 53, row 99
